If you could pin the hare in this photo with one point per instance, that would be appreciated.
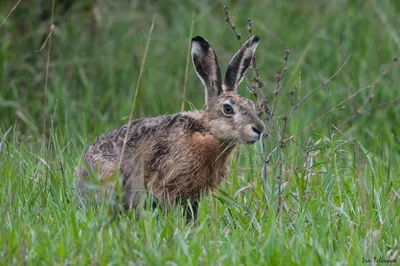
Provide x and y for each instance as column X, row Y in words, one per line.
column 180, row 156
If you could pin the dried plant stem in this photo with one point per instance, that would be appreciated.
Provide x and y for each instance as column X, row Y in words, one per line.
column 266, row 158
column 341, row 133
column 52, row 124
column 256, row 86
column 45, row 103
column 278, row 79
column 370, row 110
column 228, row 20
column 360, row 110
column 48, row 40
column 323, row 84
column 280, row 164
column 46, row 82
column 298, row 105
column 9, row 13
column 282, row 139
column 118, row 181
column 250, row 27
column 187, row 65
column 256, row 90
column 256, row 77
column 326, row 113
column 352, row 142
column 298, row 114
column 278, row 89
column 136, row 90
column 337, row 106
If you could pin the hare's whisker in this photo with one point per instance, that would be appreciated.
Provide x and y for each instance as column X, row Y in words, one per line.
column 231, row 143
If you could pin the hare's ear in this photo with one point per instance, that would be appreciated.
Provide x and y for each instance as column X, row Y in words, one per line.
column 206, row 65
column 239, row 64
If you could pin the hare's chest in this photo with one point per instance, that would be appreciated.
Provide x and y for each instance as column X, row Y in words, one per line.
column 205, row 145
column 212, row 158
column 198, row 163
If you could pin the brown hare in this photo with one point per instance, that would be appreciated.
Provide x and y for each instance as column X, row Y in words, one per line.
column 179, row 156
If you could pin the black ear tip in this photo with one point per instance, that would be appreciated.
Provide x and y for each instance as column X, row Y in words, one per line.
column 256, row 38
column 196, row 38
column 201, row 43
column 199, row 39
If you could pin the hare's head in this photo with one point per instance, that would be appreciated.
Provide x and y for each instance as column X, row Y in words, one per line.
column 232, row 117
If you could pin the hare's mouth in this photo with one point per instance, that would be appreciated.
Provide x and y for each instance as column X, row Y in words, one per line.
column 251, row 142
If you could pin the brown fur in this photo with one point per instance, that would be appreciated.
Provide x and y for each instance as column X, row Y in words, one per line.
column 182, row 155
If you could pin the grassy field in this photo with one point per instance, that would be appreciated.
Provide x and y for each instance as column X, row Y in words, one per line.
column 340, row 175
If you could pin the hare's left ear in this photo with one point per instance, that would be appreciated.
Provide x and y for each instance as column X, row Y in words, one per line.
column 239, row 64
column 206, row 65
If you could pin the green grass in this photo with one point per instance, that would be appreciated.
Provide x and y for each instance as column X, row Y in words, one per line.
column 341, row 189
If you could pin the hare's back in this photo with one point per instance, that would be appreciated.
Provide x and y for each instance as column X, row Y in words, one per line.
column 142, row 133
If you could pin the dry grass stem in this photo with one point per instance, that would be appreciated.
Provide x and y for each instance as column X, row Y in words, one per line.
column 9, row 13
column 47, row 72
column 135, row 98
column 339, row 105
column 323, row 84
column 228, row 20
column 359, row 113
column 187, row 65
column 360, row 110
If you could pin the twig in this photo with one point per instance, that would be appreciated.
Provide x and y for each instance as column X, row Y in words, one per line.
column 341, row 133
column 256, row 78
column 370, row 110
column 278, row 79
column 352, row 142
column 228, row 20
column 256, row 86
column 298, row 114
column 250, row 27
column 280, row 163
column 371, row 94
column 187, row 65
column 270, row 153
column 308, row 163
column 377, row 80
column 9, row 13
column 134, row 99
column 136, row 90
column 47, row 38
column 326, row 113
column 45, row 96
column 323, row 84
column 47, row 73
column 285, row 119
column 256, row 90
column 52, row 123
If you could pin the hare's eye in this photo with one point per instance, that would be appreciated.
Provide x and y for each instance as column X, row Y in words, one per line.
column 227, row 109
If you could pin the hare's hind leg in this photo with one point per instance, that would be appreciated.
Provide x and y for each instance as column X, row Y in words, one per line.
column 192, row 210
column 134, row 190
column 96, row 183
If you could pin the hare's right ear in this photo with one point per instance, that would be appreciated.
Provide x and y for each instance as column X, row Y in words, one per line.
column 239, row 64
column 206, row 65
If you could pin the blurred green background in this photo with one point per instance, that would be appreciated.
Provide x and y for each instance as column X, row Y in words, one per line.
column 97, row 48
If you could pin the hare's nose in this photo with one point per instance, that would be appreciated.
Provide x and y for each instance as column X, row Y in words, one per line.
column 257, row 130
